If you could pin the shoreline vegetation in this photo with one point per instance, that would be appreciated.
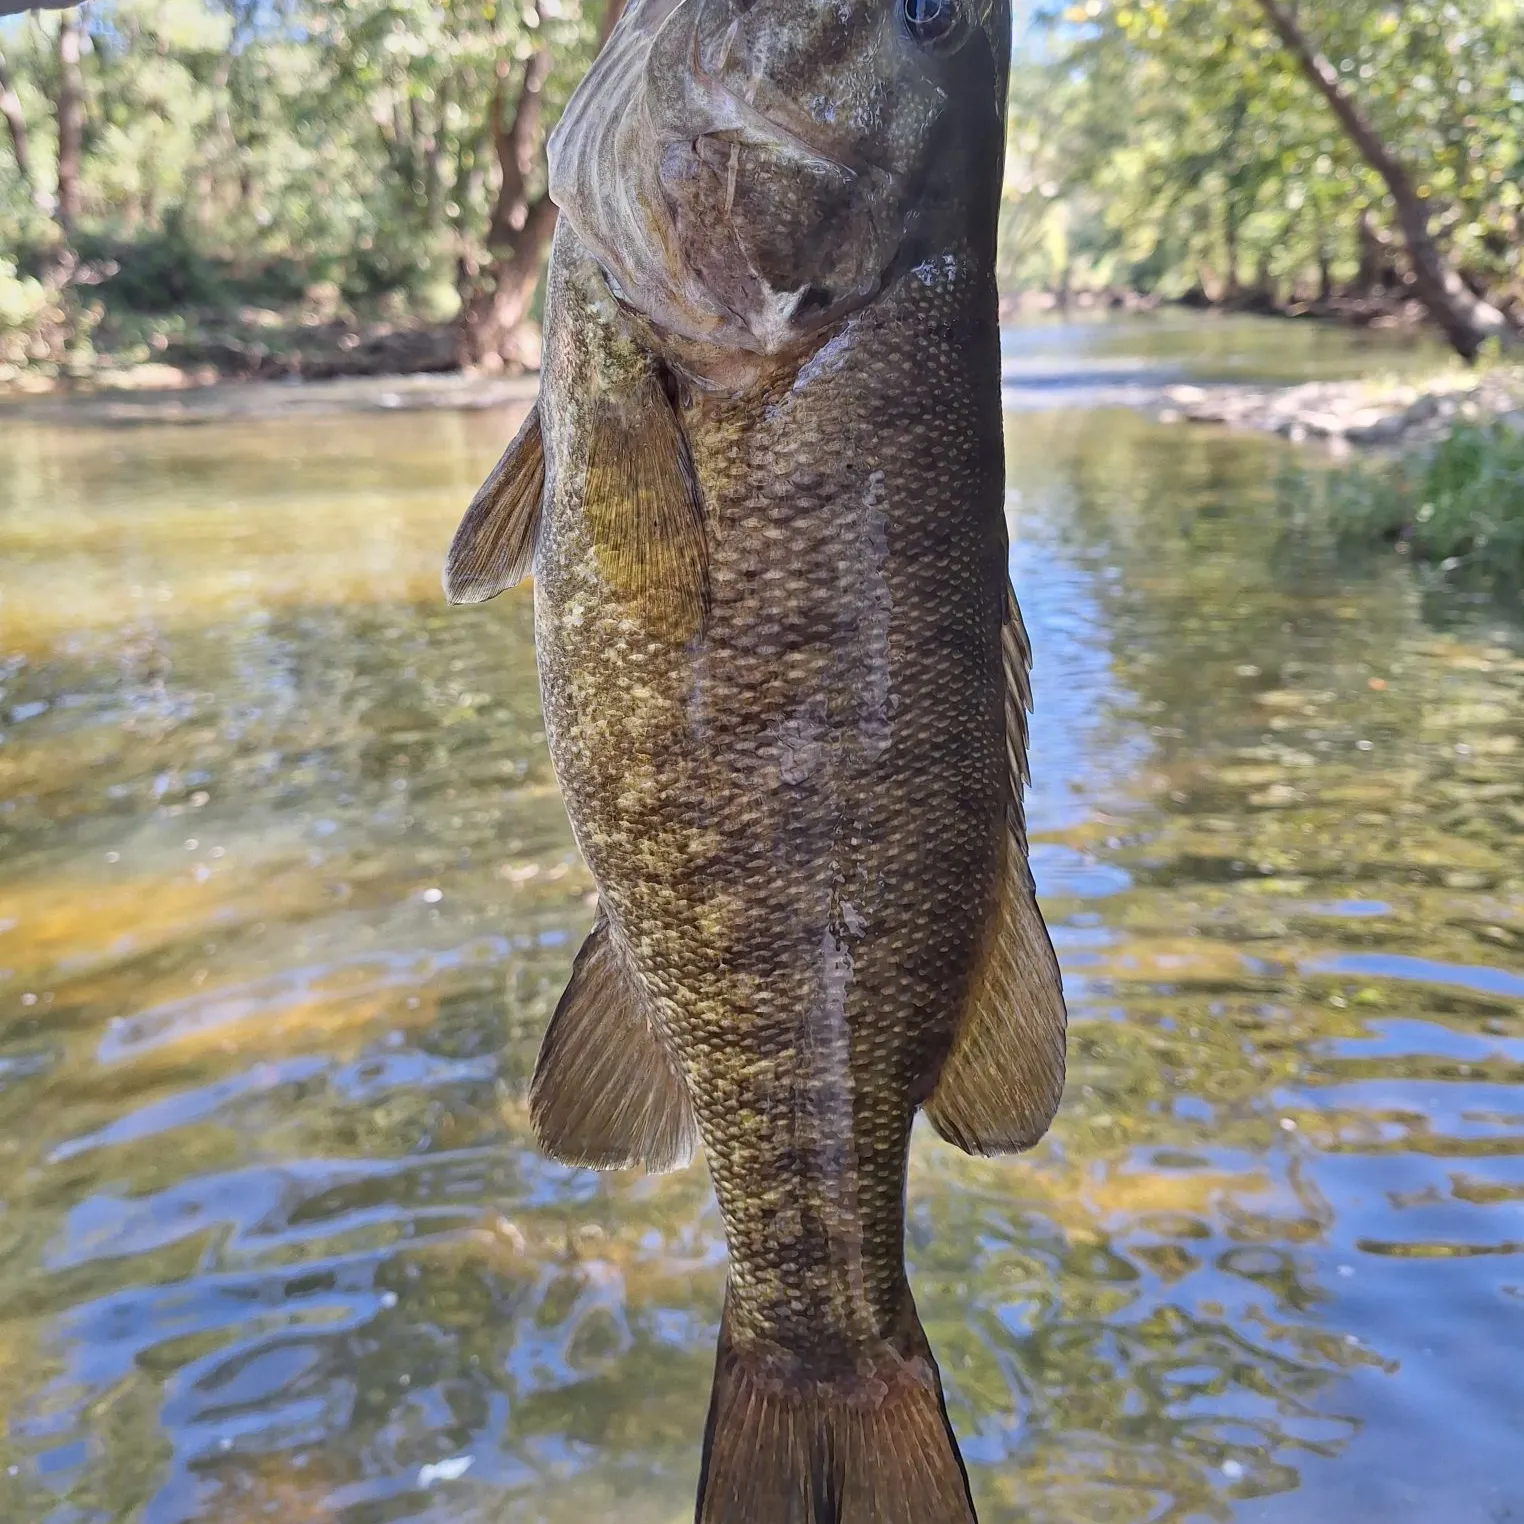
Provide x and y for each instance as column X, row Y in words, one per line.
column 210, row 363
column 253, row 361
column 194, row 191
column 320, row 340
column 1455, row 506
column 362, row 188
column 321, row 337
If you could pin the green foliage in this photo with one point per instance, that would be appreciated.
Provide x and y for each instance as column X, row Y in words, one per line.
column 1459, row 505
column 157, row 272
column 243, row 152
column 1175, row 145
column 23, row 304
column 168, row 270
column 238, row 152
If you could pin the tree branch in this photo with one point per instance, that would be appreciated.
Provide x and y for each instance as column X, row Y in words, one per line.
column 539, row 223
column 1467, row 321
column 10, row 109
column 1325, row 80
column 516, row 142
column 70, row 110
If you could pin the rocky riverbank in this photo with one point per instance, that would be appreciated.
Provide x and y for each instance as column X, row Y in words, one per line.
column 1353, row 413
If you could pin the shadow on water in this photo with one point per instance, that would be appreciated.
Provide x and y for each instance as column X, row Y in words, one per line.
column 287, row 894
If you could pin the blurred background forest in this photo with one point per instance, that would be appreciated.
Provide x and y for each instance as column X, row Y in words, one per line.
column 275, row 187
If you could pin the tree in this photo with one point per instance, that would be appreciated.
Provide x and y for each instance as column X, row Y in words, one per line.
column 1191, row 147
column 462, row 96
column 1467, row 320
column 499, row 287
column 10, row 109
column 69, row 105
column 494, row 333
column 389, row 151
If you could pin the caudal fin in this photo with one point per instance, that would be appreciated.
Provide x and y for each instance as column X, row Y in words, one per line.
column 872, row 1447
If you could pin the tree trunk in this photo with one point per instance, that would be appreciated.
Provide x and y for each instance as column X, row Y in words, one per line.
column 612, row 11
column 1322, row 258
column 10, row 109
column 1376, row 272
column 1230, row 246
column 1467, row 321
column 1266, row 298
column 70, row 107
column 209, row 202
column 494, row 331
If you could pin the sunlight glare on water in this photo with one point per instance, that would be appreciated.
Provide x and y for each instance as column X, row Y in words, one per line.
column 287, row 895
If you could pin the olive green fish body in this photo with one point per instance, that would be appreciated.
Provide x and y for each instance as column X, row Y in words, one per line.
column 794, row 811
column 785, row 688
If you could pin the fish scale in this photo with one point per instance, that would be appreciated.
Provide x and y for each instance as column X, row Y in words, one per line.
column 784, row 685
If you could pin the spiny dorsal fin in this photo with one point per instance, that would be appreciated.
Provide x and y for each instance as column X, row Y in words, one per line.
column 494, row 546
column 1001, row 1083
column 606, row 1093
column 644, row 509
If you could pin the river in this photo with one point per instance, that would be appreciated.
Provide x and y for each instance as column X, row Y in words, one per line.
column 287, row 895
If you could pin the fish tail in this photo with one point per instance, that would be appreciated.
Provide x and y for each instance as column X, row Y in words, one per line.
column 870, row 1446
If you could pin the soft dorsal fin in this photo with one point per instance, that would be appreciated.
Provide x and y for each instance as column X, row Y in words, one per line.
column 644, row 509
column 606, row 1092
column 494, row 546
column 1002, row 1080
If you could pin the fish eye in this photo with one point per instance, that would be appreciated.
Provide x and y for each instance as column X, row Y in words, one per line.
column 928, row 20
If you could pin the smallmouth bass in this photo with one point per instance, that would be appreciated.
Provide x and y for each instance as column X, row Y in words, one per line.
column 785, row 688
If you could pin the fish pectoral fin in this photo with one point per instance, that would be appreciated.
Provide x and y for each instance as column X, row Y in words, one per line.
column 644, row 509
column 494, row 546
column 1001, row 1082
column 607, row 1093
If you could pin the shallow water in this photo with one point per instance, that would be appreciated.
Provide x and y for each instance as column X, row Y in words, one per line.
column 287, row 895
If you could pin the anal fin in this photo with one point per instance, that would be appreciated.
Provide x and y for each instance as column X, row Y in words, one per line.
column 1004, row 1076
column 495, row 544
column 606, row 1093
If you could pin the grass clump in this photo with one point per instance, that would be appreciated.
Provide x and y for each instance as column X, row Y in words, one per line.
column 1457, row 505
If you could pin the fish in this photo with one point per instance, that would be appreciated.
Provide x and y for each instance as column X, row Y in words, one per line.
column 785, row 682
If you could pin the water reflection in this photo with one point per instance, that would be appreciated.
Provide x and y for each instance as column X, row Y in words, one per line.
column 286, row 896
column 1106, row 359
